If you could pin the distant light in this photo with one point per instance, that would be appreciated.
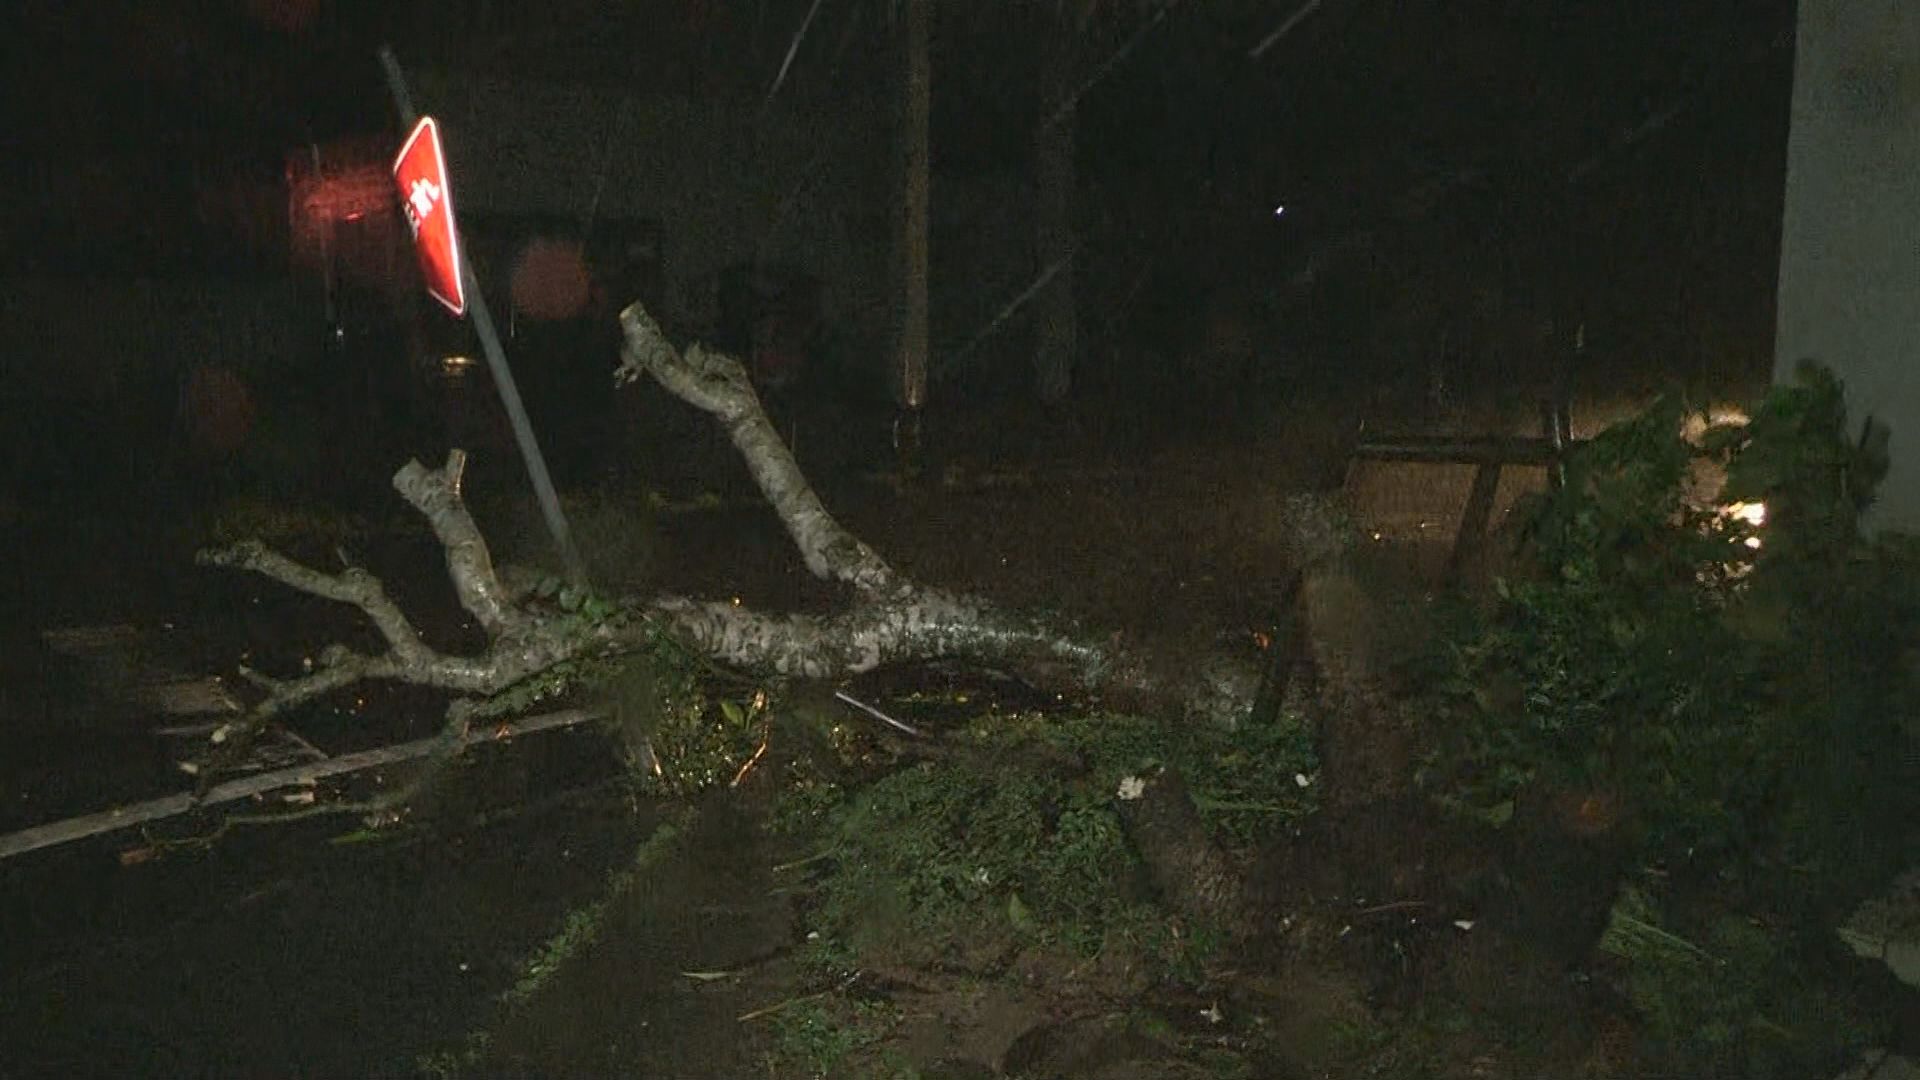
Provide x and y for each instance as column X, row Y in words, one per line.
column 1753, row 514
column 1281, row 209
column 455, row 365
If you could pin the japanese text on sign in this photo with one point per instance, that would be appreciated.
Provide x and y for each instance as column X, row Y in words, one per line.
column 420, row 175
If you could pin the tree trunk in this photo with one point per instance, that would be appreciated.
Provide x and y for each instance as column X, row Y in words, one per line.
column 913, row 344
column 1058, row 330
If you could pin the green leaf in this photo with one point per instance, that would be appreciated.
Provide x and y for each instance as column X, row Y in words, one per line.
column 1018, row 915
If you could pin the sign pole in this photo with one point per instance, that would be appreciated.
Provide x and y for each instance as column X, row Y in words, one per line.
column 497, row 364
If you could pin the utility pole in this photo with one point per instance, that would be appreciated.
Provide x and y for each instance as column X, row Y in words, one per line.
column 916, row 197
column 1059, row 326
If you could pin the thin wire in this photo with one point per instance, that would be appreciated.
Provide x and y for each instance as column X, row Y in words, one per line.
column 793, row 48
column 1014, row 305
column 1285, row 28
column 1066, row 107
column 606, row 168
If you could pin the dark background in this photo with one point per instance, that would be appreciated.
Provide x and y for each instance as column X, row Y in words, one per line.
column 1483, row 181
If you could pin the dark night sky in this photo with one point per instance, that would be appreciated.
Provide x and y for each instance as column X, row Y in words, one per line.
column 137, row 106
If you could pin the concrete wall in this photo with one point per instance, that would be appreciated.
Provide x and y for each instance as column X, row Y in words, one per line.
column 1850, row 246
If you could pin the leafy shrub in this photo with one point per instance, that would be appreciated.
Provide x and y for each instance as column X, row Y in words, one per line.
column 1741, row 1002
column 1740, row 689
column 1742, row 693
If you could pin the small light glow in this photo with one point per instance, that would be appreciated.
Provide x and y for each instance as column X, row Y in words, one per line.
column 455, row 365
column 1279, row 210
column 1754, row 514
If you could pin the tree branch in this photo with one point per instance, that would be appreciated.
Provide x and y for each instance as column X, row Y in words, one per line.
column 717, row 384
column 521, row 642
column 892, row 619
column 436, row 494
column 351, row 586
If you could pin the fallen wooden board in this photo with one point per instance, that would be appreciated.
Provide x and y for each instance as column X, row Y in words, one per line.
column 105, row 821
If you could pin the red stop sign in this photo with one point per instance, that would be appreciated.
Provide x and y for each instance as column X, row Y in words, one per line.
column 420, row 172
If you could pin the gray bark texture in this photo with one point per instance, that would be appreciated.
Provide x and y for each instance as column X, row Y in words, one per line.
column 888, row 618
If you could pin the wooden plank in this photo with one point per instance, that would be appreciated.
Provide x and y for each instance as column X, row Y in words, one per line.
column 1473, row 521
column 1446, row 450
column 122, row 817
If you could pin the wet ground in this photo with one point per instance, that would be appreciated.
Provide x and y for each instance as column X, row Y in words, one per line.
column 319, row 950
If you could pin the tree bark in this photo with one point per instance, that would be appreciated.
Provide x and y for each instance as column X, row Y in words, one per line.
column 1058, row 332
column 916, row 190
column 887, row 618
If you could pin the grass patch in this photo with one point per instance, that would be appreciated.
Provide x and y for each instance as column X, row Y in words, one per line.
column 836, row 1036
column 578, row 931
column 1017, row 841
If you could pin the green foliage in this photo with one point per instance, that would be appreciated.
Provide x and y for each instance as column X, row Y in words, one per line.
column 827, row 1037
column 1800, row 455
column 685, row 726
column 1744, row 705
column 958, row 859
column 1742, row 1002
column 1246, row 783
column 582, row 926
column 687, row 729
column 938, row 857
column 1743, row 692
column 1831, row 621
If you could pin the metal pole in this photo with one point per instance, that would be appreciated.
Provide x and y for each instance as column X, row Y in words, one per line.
column 497, row 364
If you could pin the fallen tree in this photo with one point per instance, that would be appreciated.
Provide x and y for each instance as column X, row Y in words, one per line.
column 887, row 618
column 539, row 636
